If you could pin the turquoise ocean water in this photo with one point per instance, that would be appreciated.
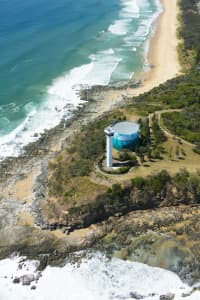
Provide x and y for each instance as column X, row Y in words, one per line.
column 49, row 48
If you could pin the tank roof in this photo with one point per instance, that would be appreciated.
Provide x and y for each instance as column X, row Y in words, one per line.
column 126, row 127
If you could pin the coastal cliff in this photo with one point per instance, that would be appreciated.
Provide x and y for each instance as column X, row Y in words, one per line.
column 52, row 202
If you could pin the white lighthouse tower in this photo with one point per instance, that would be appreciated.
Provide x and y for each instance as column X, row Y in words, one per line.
column 109, row 135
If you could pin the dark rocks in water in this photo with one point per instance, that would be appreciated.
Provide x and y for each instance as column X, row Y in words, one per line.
column 20, row 266
column 27, row 279
column 33, row 287
column 43, row 263
column 38, row 276
column 167, row 297
column 92, row 93
column 189, row 293
column 16, row 280
column 135, row 295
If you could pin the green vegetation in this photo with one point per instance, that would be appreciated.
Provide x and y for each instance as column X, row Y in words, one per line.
column 158, row 135
column 90, row 143
column 150, row 144
column 185, row 124
column 143, row 147
column 164, row 190
column 177, row 93
column 160, row 190
column 181, row 93
column 189, row 48
column 154, row 184
column 158, row 139
column 127, row 155
column 78, row 160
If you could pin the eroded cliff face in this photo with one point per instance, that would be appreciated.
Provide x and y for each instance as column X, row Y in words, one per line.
column 156, row 226
column 166, row 237
column 117, row 201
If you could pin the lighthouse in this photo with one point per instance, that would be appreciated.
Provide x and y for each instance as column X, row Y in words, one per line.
column 109, row 136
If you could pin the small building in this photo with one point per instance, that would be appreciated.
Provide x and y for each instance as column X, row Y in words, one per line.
column 109, row 145
column 126, row 135
column 122, row 135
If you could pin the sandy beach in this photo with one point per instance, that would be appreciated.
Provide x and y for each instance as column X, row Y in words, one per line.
column 164, row 59
column 162, row 56
column 129, row 225
column 18, row 185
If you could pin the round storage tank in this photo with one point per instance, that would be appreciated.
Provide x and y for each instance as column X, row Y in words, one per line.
column 126, row 135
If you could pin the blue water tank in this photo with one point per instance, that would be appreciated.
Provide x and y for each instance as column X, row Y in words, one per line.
column 126, row 135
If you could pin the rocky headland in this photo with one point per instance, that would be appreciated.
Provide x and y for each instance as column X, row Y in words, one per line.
column 122, row 223
column 159, row 227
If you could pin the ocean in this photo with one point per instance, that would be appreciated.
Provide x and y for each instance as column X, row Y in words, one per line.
column 96, row 277
column 50, row 48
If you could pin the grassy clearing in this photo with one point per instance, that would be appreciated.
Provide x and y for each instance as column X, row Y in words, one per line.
column 81, row 190
column 68, row 173
column 176, row 156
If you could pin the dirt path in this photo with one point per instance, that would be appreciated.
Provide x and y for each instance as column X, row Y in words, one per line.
column 190, row 161
column 167, row 132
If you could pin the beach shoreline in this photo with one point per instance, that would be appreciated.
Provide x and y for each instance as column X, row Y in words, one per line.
column 164, row 42
column 162, row 53
column 165, row 236
column 25, row 170
column 162, row 58
column 164, row 64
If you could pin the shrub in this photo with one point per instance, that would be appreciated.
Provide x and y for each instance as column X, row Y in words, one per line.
column 138, row 182
column 124, row 155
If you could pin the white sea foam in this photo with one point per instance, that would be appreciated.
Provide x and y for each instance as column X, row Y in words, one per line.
column 120, row 27
column 151, row 21
column 97, row 278
column 130, row 10
column 62, row 97
column 8, row 107
column 146, row 28
column 109, row 51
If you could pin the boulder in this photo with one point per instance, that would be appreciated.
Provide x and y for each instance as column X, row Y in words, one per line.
column 16, row 280
column 167, row 297
column 27, row 279
column 135, row 295
column 33, row 287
